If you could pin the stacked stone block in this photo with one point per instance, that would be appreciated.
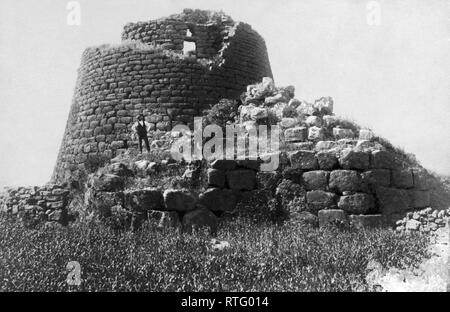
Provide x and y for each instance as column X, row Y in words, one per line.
column 34, row 205
column 117, row 83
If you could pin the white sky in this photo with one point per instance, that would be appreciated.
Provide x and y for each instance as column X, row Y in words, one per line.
column 392, row 77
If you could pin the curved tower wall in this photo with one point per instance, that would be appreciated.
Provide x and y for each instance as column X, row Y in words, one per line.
column 117, row 83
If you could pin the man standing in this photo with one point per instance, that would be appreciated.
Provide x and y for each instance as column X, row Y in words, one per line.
column 141, row 128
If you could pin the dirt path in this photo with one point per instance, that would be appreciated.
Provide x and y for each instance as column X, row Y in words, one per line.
column 431, row 276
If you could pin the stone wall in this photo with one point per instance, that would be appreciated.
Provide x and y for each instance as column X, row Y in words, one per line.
column 117, row 83
column 33, row 205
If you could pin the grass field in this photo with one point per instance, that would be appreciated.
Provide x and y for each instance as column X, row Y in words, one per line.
column 261, row 257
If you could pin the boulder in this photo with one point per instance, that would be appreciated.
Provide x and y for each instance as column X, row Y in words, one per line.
column 374, row 178
column 216, row 177
column 307, row 109
column 327, row 160
column 412, row 225
column 345, row 180
column 307, row 218
column 326, row 145
column 383, row 160
column 144, row 199
column 366, row 134
column 324, row 105
column 216, row 199
column 332, row 217
column 353, row 159
column 295, row 134
column 316, row 180
column 402, row 178
column 359, row 203
column 313, row 121
column 366, row 221
column 199, row 218
column 318, row 200
column 107, row 182
column 419, row 198
column 343, row 133
column 392, row 201
column 241, row 179
column 165, row 219
column 316, row 133
column 223, row 164
column 303, row 160
column 251, row 112
column 179, row 200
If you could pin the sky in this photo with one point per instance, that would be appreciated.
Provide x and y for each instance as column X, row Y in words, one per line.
column 385, row 63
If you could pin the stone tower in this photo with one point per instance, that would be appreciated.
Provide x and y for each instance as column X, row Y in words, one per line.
column 152, row 72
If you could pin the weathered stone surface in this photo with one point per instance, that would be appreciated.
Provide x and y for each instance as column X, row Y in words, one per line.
column 325, row 145
column 307, row 218
column 353, row 159
column 359, row 203
column 392, row 200
column 165, row 219
column 316, row 180
column 216, row 199
column 419, row 198
column 317, row 200
column 303, row 160
column 107, row 182
column 251, row 112
column 248, row 164
column 327, row 160
column 216, row 177
column 144, row 199
column 402, row 178
column 366, row 221
column 342, row 133
column 332, row 216
column 345, row 180
column 287, row 122
column 223, row 164
column 412, row 225
column 374, row 178
column 241, row 180
column 179, row 200
column 422, row 179
column 307, row 109
column 296, row 134
column 383, row 160
column 366, row 134
column 313, row 121
column 199, row 218
column 324, row 105
column 316, row 133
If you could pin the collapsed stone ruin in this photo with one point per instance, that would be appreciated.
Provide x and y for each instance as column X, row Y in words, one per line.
column 330, row 169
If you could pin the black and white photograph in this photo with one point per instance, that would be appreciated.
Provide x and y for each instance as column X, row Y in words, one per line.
column 221, row 153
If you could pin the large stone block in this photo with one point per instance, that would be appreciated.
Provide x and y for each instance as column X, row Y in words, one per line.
column 366, row 134
column 216, row 199
column 366, row 221
column 327, row 160
column 342, row 133
column 179, row 200
column 326, row 145
column 374, row 178
column 353, row 159
column 198, row 219
column 316, row 180
column 422, row 179
column 359, row 203
column 165, row 219
column 296, row 134
column 402, row 178
column 305, row 160
column 332, row 216
column 223, row 164
column 107, row 182
column 144, row 199
column 419, row 198
column 241, row 180
column 318, row 200
column 383, row 160
column 216, row 177
column 248, row 164
column 316, row 133
column 345, row 181
column 392, row 200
